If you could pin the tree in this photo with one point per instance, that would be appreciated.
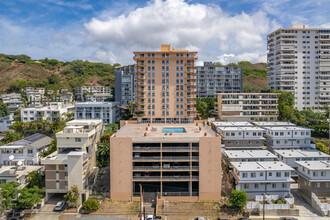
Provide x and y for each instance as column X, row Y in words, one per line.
column 8, row 192
column 91, row 205
column 72, row 196
column 103, row 154
column 322, row 147
column 52, row 148
column 10, row 136
column 35, row 178
column 238, row 199
column 131, row 106
column 29, row 197
column 53, row 79
column 202, row 108
column 4, row 111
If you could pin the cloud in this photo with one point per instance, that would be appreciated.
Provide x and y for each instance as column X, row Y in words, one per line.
column 183, row 25
column 232, row 58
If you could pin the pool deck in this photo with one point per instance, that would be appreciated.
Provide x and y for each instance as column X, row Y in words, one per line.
column 155, row 132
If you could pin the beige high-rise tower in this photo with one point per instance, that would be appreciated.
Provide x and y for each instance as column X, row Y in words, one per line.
column 165, row 85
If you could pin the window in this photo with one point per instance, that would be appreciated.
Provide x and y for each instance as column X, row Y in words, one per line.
column 284, row 185
column 246, row 186
column 244, row 175
column 317, row 185
column 315, row 173
column 278, row 174
column 273, row 185
column 270, row 174
column 253, row 175
column 77, row 139
column 30, row 151
column 286, row 174
column 256, row 185
column 322, row 173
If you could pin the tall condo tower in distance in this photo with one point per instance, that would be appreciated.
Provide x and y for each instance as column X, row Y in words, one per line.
column 165, row 85
column 299, row 62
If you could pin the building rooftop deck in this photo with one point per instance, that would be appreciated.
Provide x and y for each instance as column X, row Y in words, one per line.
column 155, row 131
column 273, row 124
column 232, row 124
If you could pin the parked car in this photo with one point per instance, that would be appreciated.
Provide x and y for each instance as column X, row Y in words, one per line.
column 243, row 219
column 287, row 218
column 200, row 218
column 223, row 218
column 150, row 217
column 60, row 206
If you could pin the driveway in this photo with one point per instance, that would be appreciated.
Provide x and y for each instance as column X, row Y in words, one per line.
column 46, row 212
column 306, row 211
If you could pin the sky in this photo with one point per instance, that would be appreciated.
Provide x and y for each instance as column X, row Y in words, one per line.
column 109, row 31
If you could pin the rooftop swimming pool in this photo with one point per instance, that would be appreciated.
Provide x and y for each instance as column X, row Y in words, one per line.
column 174, row 130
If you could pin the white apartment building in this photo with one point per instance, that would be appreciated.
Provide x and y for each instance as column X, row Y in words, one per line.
column 11, row 97
column 242, row 138
column 74, row 162
column 51, row 112
column 107, row 111
column 6, row 122
column 247, row 106
column 248, row 156
column 211, row 80
column 125, row 84
column 216, row 124
column 290, row 157
column 26, row 150
column 288, row 138
column 299, row 62
column 314, row 177
column 257, row 178
column 97, row 97
column 17, row 174
column 81, row 92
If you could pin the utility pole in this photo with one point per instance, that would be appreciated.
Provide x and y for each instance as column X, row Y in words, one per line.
column 263, row 204
column 141, row 202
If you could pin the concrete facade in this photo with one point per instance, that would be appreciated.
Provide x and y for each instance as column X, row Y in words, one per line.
column 174, row 166
column 90, row 92
column 211, row 80
column 51, row 112
column 107, row 111
column 257, row 178
column 74, row 162
column 298, row 62
column 247, row 106
column 125, row 84
column 166, row 85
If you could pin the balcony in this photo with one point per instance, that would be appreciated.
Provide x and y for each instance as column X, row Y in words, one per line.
column 141, row 77
column 165, row 178
column 191, row 102
column 153, row 158
column 179, row 158
column 172, row 168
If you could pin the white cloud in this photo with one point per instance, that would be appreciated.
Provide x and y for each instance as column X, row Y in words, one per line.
column 252, row 57
column 183, row 25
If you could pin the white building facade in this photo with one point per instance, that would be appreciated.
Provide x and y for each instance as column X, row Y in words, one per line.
column 107, row 111
column 299, row 62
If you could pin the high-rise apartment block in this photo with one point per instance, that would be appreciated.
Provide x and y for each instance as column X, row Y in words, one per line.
column 166, row 85
column 299, row 62
column 211, row 80
column 125, row 84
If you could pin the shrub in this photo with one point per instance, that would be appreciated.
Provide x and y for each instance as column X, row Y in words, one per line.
column 238, row 199
column 91, row 205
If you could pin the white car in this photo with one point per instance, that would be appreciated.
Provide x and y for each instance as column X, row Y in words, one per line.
column 150, row 217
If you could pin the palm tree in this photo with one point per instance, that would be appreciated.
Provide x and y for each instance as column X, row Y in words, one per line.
column 104, row 149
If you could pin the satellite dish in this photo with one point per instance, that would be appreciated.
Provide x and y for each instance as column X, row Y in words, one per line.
column 20, row 163
column 11, row 157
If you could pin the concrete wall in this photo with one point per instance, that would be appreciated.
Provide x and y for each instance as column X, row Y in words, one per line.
column 121, row 168
column 210, row 168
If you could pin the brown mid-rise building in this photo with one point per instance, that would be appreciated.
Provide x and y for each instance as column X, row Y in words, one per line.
column 165, row 85
column 176, row 162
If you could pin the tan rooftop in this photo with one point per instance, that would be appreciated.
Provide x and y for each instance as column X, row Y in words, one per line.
column 143, row 132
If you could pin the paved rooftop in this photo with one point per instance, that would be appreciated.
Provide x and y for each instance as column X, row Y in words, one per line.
column 240, row 129
column 137, row 132
column 232, row 124
column 301, row 153
column 273, row 124
column 236, row 154
column 262, row 166
column 289, row 128
column 315, row 165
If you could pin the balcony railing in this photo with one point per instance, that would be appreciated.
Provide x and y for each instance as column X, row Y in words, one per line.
column 165, row 178
column 171, row 168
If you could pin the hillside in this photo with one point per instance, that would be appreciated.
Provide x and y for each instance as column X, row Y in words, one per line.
column 18, row 71
column 254, row 76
